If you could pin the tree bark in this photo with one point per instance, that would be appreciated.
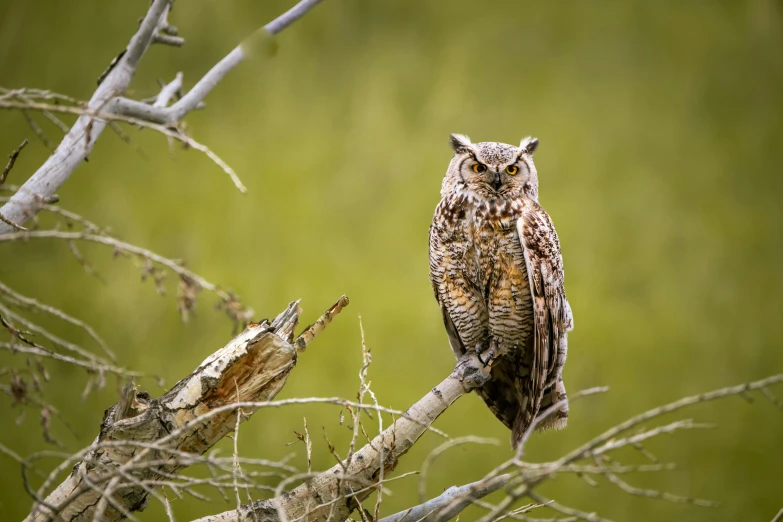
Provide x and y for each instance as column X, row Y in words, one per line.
column 106, row 483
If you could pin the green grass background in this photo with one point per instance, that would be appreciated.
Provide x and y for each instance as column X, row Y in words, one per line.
column 660, row 163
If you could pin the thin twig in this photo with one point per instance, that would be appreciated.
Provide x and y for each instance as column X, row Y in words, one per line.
column 122, row 246
column 55, row 312
column 450, row 503
column 425, row 466
column 104, row 116
column 11, row 160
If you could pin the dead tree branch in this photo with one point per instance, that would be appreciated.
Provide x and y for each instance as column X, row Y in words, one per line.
column 78, row 143
column 175, row 113
column 27, row 302
column 173, row 132
column 336, row 492
column 526, row 477
column 107, row 100
column 139, row 435
column 190, row 282
column 455, row 499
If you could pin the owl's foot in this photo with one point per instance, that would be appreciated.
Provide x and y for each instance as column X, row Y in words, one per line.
column 471, row 371
column 488, row 356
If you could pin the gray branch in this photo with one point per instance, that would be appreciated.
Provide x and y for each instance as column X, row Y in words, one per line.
column 190, row 101
column 333, row 494
column 168, row 91
column 450, row 503
column 79, row 141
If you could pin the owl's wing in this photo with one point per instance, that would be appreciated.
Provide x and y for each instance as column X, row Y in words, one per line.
column 464, row 311
column 456, row 343
column 552, row 313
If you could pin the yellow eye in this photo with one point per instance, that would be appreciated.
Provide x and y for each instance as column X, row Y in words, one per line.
column 478, row 168
column 512, row 169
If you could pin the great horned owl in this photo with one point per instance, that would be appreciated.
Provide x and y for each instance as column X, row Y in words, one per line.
column 497, row 272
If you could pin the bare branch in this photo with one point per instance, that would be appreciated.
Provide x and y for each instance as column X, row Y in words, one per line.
column 327, row 496
column 78, row 143
column 21, row 300
column 168, row 91
column 56, row 341
column 11, row 160
column 229, row 300
column 652, row 493
column 80, row 139
column 309, row 333
column 11, row 224
column 451, row 502
column 39, row 351
column 575, row 513
column 531, row 476
column 440, row 449
column 103, row 116
column 588, row 447
column 210, row 80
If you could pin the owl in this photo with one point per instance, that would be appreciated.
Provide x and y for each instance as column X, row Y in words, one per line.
column 497, row 273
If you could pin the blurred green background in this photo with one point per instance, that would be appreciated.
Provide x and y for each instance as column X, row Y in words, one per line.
column 660, row 163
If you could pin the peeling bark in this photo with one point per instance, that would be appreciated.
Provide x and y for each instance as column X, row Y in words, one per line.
column 252, row 367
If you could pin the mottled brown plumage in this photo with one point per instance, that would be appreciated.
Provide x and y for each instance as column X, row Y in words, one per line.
column 497, row 272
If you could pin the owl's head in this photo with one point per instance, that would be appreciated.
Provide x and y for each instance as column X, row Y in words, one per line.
column 492, row 170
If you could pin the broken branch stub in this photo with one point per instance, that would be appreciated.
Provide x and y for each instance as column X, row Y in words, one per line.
column 193, row 416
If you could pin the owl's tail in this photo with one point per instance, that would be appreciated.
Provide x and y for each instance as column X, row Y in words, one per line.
column 555, row 420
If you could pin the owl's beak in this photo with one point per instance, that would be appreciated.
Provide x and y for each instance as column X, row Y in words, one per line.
column 497, row 181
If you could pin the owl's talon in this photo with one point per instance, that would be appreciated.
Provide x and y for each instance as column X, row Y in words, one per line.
column 489, row 358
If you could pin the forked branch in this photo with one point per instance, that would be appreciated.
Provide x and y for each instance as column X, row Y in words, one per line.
column 107, row 103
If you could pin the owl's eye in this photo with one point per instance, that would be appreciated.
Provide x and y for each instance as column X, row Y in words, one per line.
column 512, row 169
column 478, row 168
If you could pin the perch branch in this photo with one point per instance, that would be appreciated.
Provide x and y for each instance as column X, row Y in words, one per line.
column 336, row 492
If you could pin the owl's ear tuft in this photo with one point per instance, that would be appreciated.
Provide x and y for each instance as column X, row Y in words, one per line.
column 529, row 145
column 461, row 143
